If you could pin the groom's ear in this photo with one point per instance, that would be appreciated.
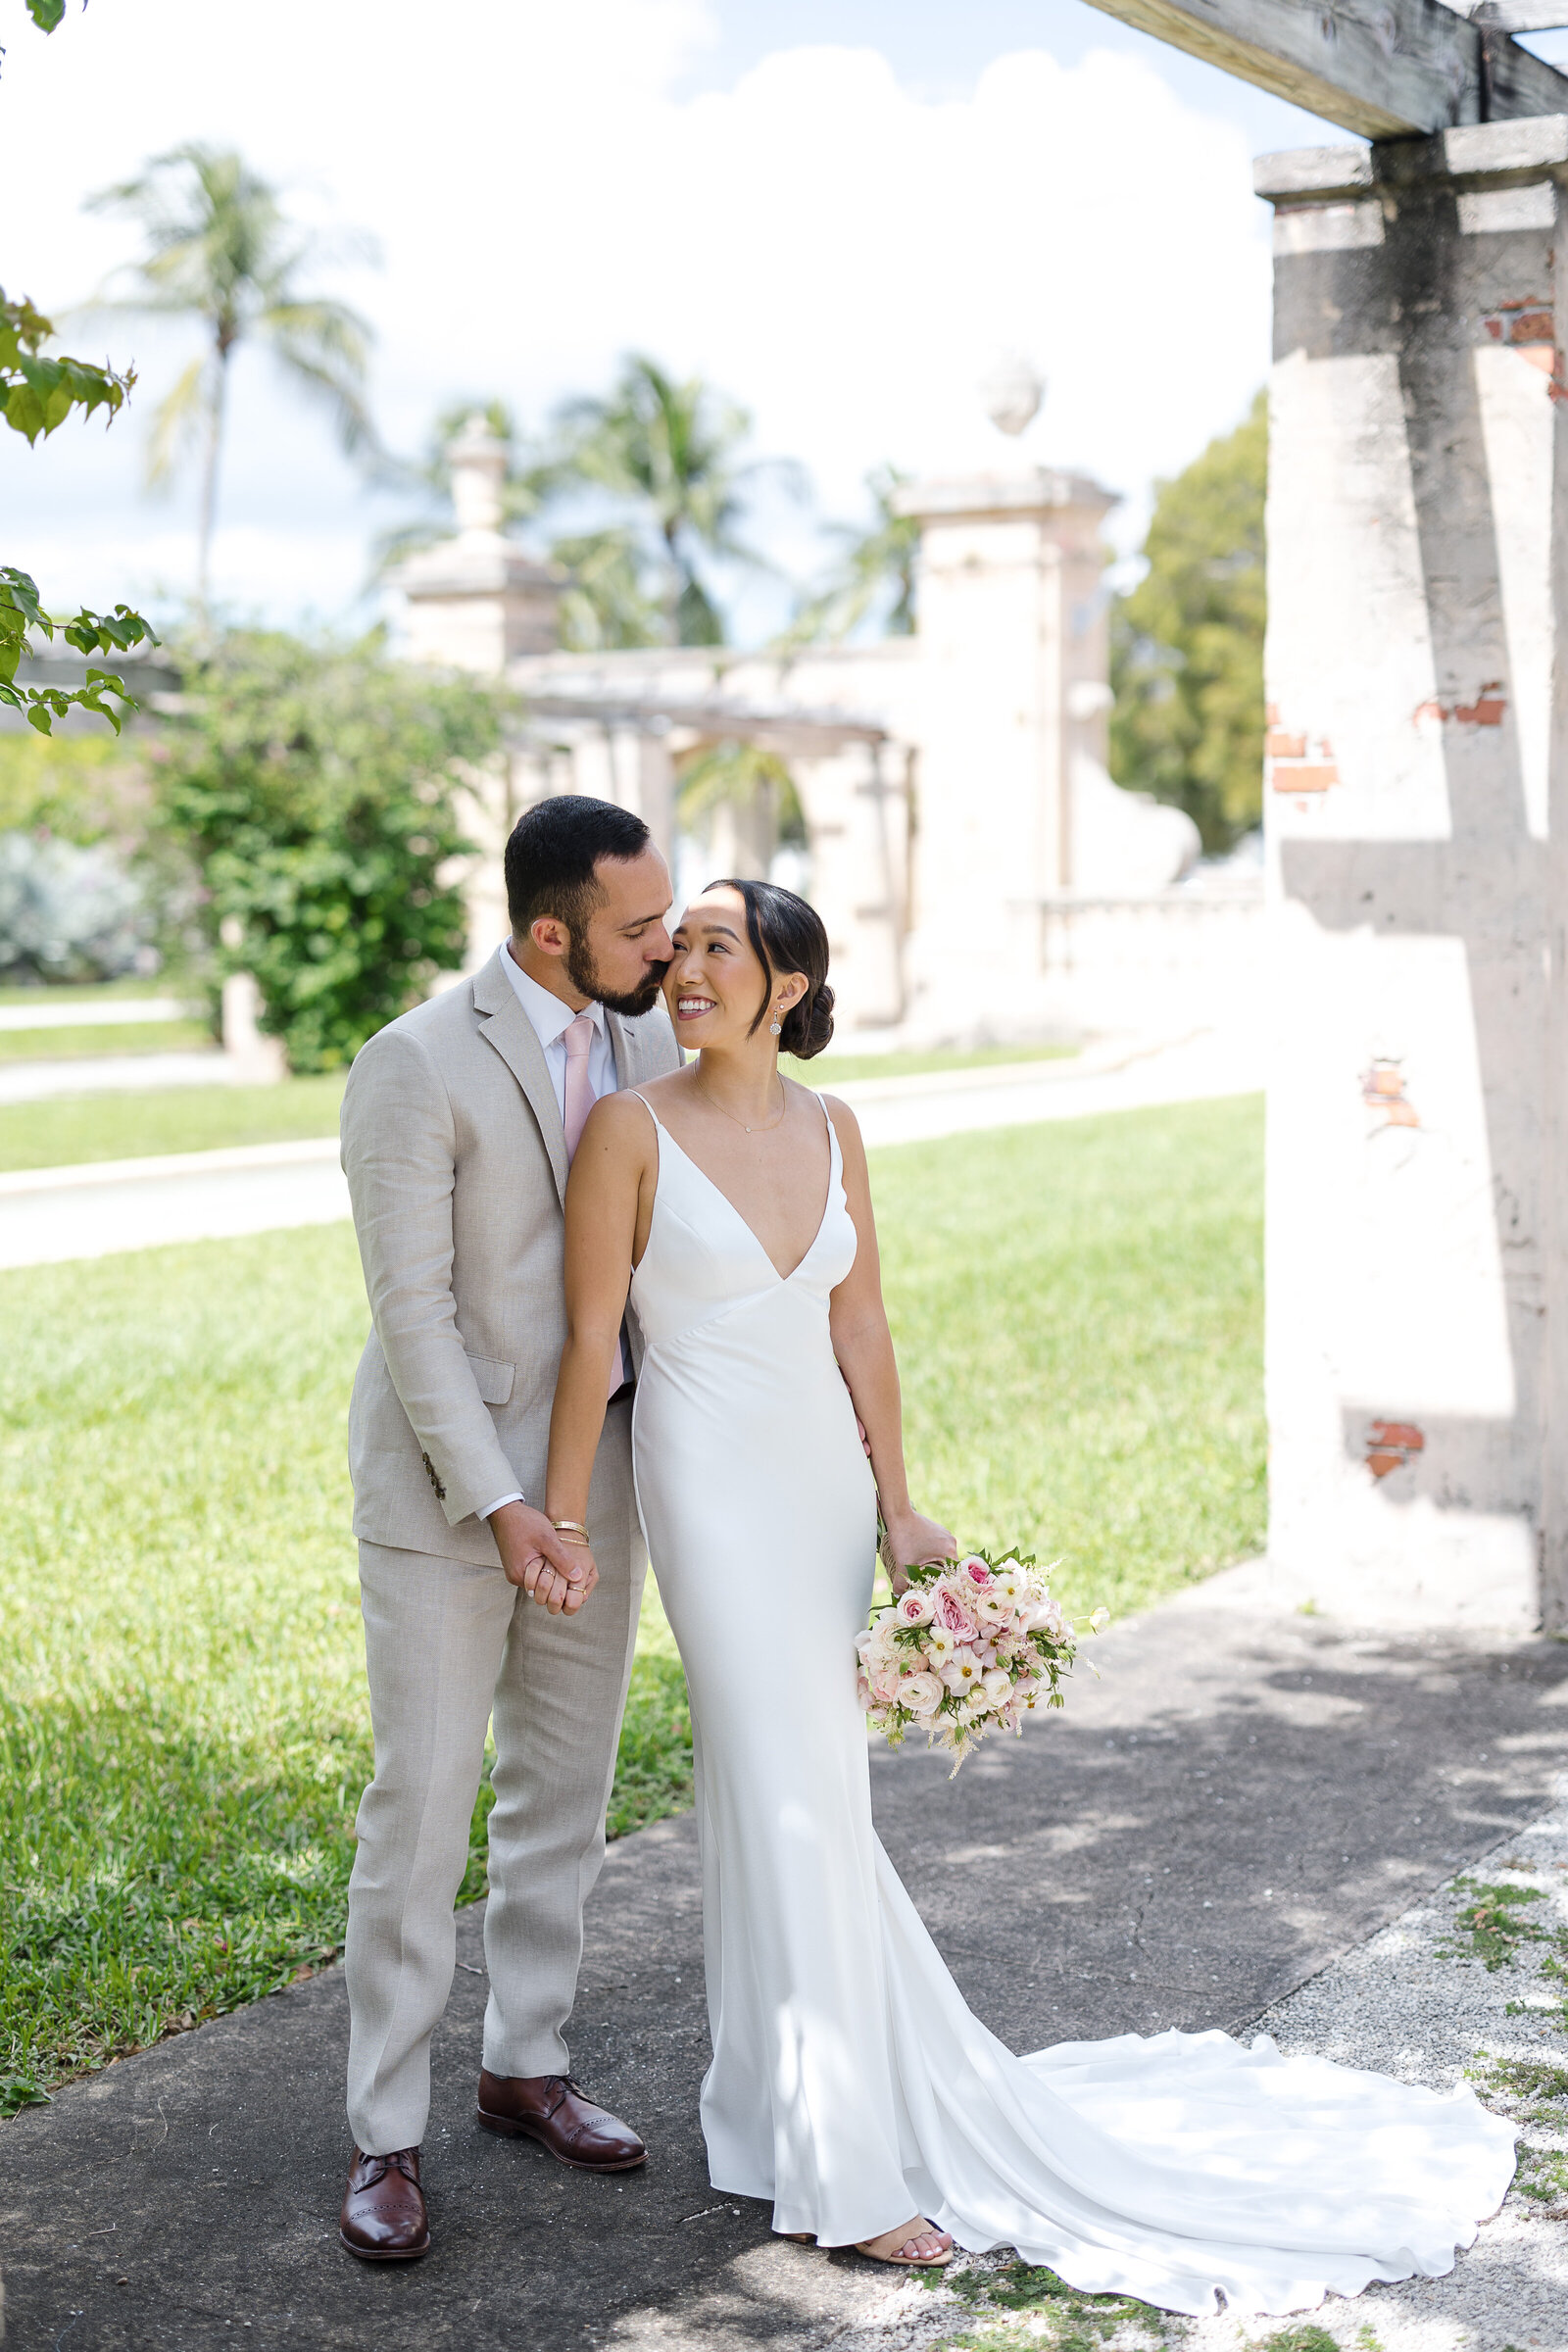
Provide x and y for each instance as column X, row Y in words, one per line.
column 549, row 934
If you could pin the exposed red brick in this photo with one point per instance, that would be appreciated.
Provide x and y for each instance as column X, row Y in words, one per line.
column 1383, row 1089
column 1487, row 711
column 1532, row 326
column 1391, row 1445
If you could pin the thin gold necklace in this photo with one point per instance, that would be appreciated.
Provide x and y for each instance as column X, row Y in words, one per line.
column 735, row 1122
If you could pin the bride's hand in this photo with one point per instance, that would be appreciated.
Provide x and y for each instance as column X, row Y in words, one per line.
column 913, row 1540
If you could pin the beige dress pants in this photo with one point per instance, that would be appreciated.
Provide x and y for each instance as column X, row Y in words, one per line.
column 447, row 1647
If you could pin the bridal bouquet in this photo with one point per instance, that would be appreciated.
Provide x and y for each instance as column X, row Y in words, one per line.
column 972, row 1647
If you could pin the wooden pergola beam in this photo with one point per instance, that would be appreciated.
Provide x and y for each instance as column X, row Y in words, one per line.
column 1383, row 69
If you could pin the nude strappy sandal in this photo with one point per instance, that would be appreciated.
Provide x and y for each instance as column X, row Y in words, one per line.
column 910, row 2262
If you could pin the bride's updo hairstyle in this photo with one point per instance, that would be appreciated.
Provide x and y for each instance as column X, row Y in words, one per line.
column 787, row 936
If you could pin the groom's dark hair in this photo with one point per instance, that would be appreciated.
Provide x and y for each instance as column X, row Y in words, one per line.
column 552, row 854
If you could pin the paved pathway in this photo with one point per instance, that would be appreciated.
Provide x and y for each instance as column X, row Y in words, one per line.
column 47, row 1214
column 1246, row 1794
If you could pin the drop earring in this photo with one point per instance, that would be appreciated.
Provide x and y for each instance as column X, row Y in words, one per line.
column 775, row 1024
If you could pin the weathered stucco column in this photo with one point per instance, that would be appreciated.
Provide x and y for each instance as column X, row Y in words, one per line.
column 475, row 602
column 1418, row 1180
column 1012, row 619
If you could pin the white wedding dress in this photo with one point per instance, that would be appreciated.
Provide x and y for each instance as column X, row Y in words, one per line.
column 850, row 2085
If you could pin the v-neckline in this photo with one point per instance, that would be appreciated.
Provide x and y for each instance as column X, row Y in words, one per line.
column 744, row 1221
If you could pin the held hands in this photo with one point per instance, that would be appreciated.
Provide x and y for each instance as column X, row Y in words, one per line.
column 910, row 1539
column 560, row 1576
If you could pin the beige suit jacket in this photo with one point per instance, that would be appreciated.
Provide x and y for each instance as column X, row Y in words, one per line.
column 457, row 1167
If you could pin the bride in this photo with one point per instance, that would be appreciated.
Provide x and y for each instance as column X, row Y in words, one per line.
column 850, row 2085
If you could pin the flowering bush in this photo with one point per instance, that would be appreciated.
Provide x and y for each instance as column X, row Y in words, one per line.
column 972, row 1647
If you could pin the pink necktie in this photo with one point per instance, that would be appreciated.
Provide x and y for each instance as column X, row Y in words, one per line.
column 578, row 1037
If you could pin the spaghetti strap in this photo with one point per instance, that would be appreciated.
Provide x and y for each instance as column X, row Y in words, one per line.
column 647, row 1105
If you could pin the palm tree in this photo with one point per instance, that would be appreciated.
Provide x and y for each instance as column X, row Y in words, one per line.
column 220, row 249
column 875, row 568
column 668, row 452
column 743, row 799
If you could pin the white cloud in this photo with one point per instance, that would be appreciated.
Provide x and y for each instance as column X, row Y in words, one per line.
column 843, row 255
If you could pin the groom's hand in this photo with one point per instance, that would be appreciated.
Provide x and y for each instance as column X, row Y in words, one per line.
column 559, row 1576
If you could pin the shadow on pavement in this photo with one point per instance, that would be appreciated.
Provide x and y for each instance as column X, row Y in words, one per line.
column 1244, row 1795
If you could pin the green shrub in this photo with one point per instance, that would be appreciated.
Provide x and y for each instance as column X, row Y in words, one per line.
column 314, row 790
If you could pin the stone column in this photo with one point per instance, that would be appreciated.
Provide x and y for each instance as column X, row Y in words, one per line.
column 475, row 603
column 1012, row 621
column 1418, row 1184
column 854, row 799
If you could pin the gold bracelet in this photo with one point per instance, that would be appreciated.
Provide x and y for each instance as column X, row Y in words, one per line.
column 561, row 1526
column 566, row 1537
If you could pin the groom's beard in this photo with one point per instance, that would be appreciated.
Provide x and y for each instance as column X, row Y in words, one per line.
column 583, row 973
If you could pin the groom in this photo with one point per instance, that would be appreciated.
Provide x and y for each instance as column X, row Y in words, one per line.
column 459, row 1121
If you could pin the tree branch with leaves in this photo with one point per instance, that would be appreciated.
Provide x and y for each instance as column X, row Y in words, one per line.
column 38, row 394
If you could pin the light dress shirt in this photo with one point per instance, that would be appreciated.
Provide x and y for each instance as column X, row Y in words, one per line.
column 551, row 1019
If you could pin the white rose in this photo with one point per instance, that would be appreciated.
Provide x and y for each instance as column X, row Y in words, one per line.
column 997, row 1683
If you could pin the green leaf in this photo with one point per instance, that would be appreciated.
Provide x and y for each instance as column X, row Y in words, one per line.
column 46, row 14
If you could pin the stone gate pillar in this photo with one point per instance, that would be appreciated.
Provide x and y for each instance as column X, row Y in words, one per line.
column 1418, row 1178
column 1012, row 626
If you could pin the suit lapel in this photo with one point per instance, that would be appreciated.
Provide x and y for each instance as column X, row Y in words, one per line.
column 623, row 1046
column 633, row 1046
column 504, row 1025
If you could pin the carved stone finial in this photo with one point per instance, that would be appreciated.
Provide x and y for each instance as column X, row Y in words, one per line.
column 1012, row 391
column 479, row 463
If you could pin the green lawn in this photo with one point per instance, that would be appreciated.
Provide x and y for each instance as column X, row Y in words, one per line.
column 103, row 1037
column 183, row 1729
column 178, row 1118
column 51, row 1135
column 832, row 1069
column 88, row 992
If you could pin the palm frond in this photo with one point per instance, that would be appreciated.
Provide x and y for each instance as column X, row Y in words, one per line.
column 177, row 420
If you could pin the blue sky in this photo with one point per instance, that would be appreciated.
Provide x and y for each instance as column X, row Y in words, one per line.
column 840, row 213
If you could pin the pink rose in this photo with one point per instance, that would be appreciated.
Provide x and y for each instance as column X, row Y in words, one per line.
column 951, row 1613
column 975, row 1570
column 885, row 1687
column 915, row 1607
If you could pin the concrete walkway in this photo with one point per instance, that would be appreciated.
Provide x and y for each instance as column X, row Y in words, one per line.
column 96, row 1210
column 1247, row 1793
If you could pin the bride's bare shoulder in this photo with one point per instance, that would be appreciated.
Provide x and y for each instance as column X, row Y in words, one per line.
column 620, row 1124
column 845, row 1125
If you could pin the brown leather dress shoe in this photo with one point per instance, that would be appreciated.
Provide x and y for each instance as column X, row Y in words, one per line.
column 383, row 2217
column 554, row 2111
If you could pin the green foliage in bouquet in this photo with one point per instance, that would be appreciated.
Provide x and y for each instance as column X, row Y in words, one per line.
column 315, row 788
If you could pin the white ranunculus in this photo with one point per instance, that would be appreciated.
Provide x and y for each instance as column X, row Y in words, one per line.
column 923, row 1692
